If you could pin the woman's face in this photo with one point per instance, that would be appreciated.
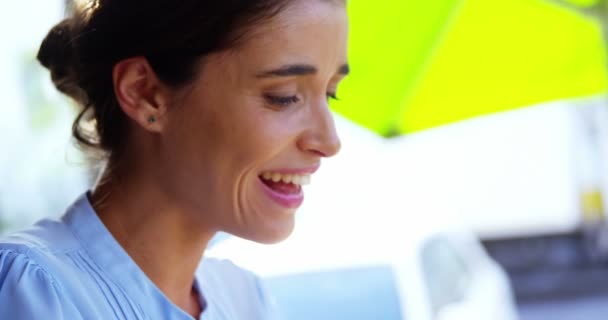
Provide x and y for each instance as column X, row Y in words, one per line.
column 255, row 124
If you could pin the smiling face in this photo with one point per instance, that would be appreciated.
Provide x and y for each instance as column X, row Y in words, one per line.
column 255, row 124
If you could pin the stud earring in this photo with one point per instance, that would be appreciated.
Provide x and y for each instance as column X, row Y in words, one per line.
column 152, row 119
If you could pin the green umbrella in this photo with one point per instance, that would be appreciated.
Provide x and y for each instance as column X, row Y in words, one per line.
column 420, row 64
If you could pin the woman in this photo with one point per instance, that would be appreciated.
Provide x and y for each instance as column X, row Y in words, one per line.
column 210, row 116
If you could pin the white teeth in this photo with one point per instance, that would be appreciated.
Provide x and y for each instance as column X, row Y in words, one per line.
column 305, row 180
column 287, row 178
column 297, row 179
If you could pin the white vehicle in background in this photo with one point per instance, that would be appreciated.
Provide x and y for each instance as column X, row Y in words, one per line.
column 422, row 275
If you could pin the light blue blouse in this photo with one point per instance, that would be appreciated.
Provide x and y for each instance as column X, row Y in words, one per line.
column 74, row 269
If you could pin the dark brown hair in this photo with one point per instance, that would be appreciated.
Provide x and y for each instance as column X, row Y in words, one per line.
column 81, row 51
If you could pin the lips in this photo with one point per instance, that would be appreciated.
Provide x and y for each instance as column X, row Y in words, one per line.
column 285, row 187
column 289, row 199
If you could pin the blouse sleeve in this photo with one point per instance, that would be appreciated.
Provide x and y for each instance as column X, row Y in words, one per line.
column 28, row 292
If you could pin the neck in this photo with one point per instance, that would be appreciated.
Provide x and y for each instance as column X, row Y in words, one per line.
column 164, row 240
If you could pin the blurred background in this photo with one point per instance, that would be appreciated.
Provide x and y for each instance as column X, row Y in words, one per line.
column 472, row 183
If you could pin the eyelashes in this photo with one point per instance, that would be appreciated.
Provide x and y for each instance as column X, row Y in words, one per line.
column 286, row 101
column 281, row 101
column 332, row 96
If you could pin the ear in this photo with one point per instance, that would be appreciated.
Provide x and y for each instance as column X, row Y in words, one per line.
column 140, row 93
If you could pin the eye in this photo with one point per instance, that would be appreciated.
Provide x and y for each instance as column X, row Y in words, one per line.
column 281, row 101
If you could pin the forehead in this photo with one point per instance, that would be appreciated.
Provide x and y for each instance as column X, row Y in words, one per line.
column 307, row 31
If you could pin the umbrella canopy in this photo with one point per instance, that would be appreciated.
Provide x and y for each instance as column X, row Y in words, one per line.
column 420, row 64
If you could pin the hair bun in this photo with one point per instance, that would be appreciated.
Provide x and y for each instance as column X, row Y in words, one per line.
column 56, row 53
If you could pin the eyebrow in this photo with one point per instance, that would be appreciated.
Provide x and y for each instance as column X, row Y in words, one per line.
column 298, row 70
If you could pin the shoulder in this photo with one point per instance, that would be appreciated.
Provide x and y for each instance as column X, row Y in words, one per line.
column 232, row 286
column 50, row 236
column 19, row 271
column 27, row 290
column 29, row 259
column 44, row 244
column 17, row 263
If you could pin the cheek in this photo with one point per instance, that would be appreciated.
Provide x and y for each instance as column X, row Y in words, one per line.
column 270, row 132
column 250, row 131
column 257, row 142
column 233, row 135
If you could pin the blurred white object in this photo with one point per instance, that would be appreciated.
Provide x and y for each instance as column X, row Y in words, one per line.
column 428, row 274
column 512, row 174
column 502, row 175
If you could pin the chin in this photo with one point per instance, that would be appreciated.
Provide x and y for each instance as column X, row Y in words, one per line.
column 270, row 234
column 274, row 238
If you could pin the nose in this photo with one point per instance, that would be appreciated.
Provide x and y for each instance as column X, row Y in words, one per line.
column 320, row 138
